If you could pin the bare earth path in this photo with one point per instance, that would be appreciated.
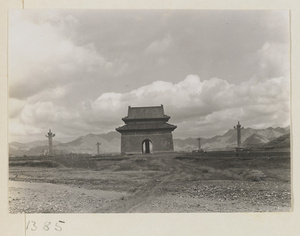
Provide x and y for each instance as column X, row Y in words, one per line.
column 48, row 198
column 154, row 184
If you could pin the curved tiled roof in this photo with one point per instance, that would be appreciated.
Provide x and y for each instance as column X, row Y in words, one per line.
column 140, row 113
column 146, row 126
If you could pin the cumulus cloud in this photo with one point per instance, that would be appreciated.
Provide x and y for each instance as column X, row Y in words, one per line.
column 197, row 107
column 162, row 61
column 160, row 46
column 15, row 107
column 273, row 60
column 215, row 93
column 53, row 58
column 206, row 105
column 77, row 72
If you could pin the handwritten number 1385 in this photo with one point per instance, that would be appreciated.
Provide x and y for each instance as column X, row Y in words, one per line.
column 32, row 225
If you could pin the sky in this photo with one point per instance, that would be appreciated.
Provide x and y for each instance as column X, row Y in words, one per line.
column 77, row 71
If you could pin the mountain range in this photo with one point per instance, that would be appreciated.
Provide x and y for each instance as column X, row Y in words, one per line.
column 250, row 138
column 111, row 142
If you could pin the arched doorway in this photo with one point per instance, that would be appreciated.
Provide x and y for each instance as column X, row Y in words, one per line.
column 147, row 146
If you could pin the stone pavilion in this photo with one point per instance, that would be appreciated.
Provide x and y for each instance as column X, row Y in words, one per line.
column 146, row 131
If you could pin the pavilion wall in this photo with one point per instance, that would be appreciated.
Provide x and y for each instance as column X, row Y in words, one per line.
column 131, row 142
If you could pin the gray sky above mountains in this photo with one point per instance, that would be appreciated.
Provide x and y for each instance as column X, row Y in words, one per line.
column 77, row 71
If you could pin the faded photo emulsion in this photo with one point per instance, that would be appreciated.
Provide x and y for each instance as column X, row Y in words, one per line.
column 149, row 111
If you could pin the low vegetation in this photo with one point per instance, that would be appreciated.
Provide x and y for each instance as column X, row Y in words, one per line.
column 172, row 182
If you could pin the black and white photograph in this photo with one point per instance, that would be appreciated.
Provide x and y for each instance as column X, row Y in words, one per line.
column 149, row 111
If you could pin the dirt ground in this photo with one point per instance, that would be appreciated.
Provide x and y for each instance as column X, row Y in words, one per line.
column 176, row 182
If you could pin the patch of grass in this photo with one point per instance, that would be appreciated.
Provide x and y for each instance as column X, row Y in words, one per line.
column 75, row 161
column 70, row 161
column 43, row 163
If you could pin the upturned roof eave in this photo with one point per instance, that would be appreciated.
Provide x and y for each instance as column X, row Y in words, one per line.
column 121, row 129
column 166, row 118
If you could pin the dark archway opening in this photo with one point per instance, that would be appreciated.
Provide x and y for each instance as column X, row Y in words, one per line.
column 147, row 146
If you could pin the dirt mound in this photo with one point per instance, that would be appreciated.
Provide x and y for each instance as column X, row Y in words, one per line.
column 252, row 175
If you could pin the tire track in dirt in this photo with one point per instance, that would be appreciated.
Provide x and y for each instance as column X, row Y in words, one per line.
column 153, row 183
column 150, row 193
column 146, row 193
column 154, row 188
column 140, row 197
column 177, row 171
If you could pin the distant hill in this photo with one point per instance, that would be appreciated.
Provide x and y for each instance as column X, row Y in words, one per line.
column 30, row 148
column 282, row 143
column 250, row 138
column 255, row 140
column 111, row 142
